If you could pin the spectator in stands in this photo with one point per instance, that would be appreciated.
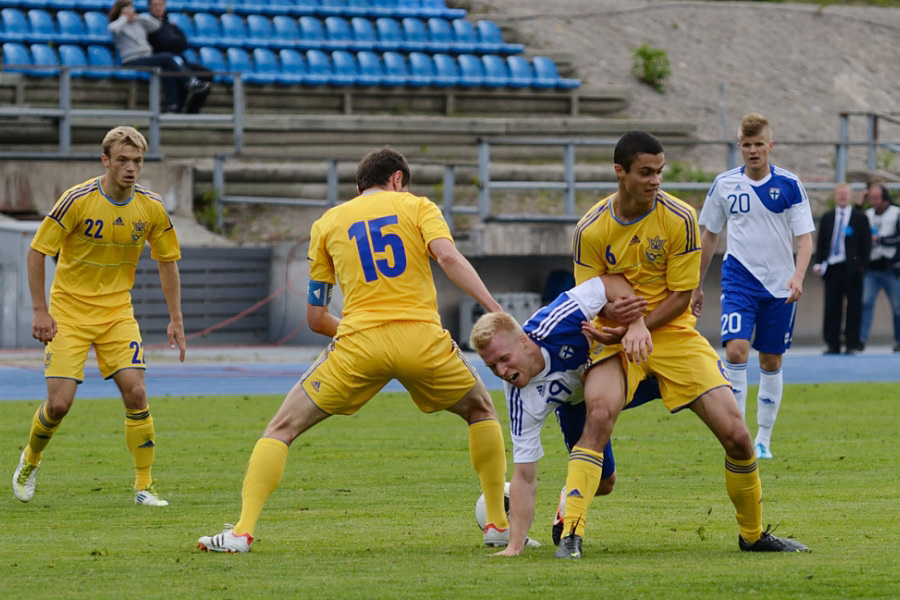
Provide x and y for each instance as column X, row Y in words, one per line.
column 842, row 252
column 130, row 31
column 883, row 271
column 170, row 38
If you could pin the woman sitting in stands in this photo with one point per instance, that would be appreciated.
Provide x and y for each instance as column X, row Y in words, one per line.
column 130, row 31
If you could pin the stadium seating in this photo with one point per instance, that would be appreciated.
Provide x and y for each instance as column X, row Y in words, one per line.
column 286, row 31
column 496, row 73
column 71, row 27
column 73, row 56
column 421, row 69
column 234, row 31
column 371, row 68
column 346, row 71
column 396, row 71
column 364, row 34
column 212, row 59
column 547, row 75
column 520, row 71
column 185, row 24
column 292, row 66
column 338, row 34
column 446, row 70
column 490, row 39
column 15, row 25
column 471, row 71
column 260, row 32
column 415, row 34
column 44, row 56
column 16, row 58
column 41, row 25
column 440, row 36
column 318, row 67
column 95, row 23
column 207, row 31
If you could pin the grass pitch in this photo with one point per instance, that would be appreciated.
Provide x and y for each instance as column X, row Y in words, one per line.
column 379, row 505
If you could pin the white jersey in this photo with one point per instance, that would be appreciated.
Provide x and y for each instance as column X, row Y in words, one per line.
column 763, row 219
column 556, row 329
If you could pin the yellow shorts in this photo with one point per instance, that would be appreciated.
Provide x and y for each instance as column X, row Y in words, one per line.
column 684, row 363
column 420, row 355
column 118, row 346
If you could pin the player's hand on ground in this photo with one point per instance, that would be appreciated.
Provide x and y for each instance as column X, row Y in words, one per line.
column 43, row 327
column 637, row 342
column 697, row 302
column 176, row 338
column 607, row 336
column 625, row 309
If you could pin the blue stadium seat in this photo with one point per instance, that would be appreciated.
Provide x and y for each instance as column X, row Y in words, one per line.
column 212, row 59
column 363, row 33
column 520, row 71
column 318, row 67
column 306, row 7
column 15, row 25
column 265, row 66
column 356, row 8
column 338, row 34
column 496, row 73
column 278, row 7
column 101, row 57
column 81, row 5
column 390, row 36
column 72, row 56
column 547, row 75
column 346, row 71
column 71, row 27
column 371, row 69
column 292, row 66
column 382, row 8
column 415, row 34
column 471, row 71
column 491, row 39
column 237, row 59
column 312, row 34
column 185, row 24
column 44, row 55
column 438, row 8
column 464, row 35
column 421, row 69
column 16, row 58
column 446, row 70
column 26, row 4
column 286, row 31
column 408, row 8
column 95, row 23
column 331, row 7
column 440, row 36
column 41, row 25
column 260, row 33
column 207, row 30
column 396, row 71
column 234, row 30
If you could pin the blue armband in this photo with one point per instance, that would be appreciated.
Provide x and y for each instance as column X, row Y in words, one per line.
column 319, row 293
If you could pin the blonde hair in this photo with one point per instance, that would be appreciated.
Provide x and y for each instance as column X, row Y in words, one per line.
column 752, row 124
column 125, row 135
column 487, row 326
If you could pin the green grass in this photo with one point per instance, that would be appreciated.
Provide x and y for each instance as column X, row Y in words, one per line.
column 379, row 505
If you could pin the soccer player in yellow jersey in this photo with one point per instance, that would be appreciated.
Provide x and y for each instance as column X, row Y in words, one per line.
column 377, row 248
column 97, row 231
column 652, row 239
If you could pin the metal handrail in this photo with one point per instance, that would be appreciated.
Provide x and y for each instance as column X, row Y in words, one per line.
column 65, row 113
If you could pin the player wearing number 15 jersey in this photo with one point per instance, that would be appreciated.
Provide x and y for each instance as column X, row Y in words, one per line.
column 98, row 230
column 377, row 247
column 766, row 209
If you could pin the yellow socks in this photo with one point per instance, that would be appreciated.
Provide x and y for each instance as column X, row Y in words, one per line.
column 745, row 491
column 140, row 437
column 582, row 479
column 263, row 475
column 489, row 459
column 42, row 429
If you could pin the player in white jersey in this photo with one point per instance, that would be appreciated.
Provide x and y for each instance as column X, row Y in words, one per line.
column 541, row 364
column 766, row 209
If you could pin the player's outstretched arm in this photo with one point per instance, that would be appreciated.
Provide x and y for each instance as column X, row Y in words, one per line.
column 522, row 492
column 622, row 306
column 709, row 241
column 170, row 282
column 321, row 321
column 462, row 273
column 43, row 326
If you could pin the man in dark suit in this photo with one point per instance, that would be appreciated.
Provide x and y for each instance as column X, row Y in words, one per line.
column 170, row 38
column 841, row 254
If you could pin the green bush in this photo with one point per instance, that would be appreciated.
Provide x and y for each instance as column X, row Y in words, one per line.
column 651, row 65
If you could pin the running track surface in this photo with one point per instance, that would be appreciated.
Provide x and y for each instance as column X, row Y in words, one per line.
column 21, row 376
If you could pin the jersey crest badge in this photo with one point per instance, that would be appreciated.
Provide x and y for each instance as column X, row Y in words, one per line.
column 656, row 249
column 137, row 229
column 566, row 352
column 774, row 193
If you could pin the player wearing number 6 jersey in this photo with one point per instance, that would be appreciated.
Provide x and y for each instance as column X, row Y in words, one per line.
column 766, row 209
column 377, row 248
column 97, row 230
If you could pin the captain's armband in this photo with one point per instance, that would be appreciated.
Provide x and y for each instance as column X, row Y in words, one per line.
column 319, row 293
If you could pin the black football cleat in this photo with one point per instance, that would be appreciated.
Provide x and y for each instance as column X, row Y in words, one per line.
column 770, row 543
column 569, row 547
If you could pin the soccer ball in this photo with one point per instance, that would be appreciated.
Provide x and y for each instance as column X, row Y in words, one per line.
column 481, row 510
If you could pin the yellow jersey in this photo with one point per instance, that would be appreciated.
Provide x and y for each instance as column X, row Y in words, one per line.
column 98, row 243
column 657, row 253
column 376, row 248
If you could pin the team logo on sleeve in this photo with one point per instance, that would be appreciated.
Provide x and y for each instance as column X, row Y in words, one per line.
column 656, row 249
column 566, row 352
column 138, row 228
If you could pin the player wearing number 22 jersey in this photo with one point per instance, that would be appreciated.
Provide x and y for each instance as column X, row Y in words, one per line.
column 377, row 247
